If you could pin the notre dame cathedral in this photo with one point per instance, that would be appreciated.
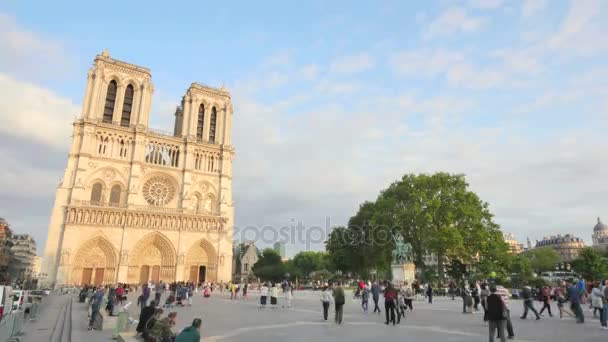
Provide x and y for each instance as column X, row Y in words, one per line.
column 136, row 204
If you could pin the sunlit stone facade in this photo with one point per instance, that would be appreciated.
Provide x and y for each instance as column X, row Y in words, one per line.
column 136, row 204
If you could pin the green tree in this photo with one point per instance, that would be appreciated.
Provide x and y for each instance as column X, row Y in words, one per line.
column 438, row 214
column 542, row 259
column 341, row 254
column 269, row 266
column 308, row 261
column 521, row 269
column 591, row 264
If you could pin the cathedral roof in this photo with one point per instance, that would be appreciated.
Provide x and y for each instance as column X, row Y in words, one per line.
column 599, row 226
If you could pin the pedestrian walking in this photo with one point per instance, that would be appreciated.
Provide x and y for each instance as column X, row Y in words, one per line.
column 325, row 300
column 528, row 303
column 604, row 318
column 339, row 301
column 574, row 296
column 365, row 298
column 408, row 296
column 545, row 294
column 496, row 314
column 401, row 306
column 390, row 296
column 287, row 296
column 560, row 298
column 376, row 296
column 484, row 292
column 504, row 294
column 429, row 293
column 597, row 296
column 476, row 296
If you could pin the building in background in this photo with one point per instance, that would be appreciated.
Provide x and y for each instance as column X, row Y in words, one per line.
column 136, row 204
column 23, row 253
column 279, row 247
column 600, row 235
column 244, row 255
column 6, row 242
column 514, row 246
column 37, row 266
column 567, row 246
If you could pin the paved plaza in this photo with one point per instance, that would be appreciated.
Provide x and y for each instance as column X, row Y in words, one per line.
column 225, row 320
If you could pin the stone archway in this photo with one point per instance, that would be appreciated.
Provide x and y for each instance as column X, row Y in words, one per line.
column 201, row 262
column 95, row 263
column 152, row 259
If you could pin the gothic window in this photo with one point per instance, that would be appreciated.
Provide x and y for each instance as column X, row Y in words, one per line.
column 212, row 121
column 123, row 149
column 115, row 195
column 198, row 205
column 96, row 194
column 125, row 119
column 200, row 121
column 108, row 110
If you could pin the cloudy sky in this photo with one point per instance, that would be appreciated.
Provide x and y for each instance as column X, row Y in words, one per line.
column 334, row 100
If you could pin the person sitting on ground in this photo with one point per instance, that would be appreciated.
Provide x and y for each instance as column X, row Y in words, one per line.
column 161, row 330
column 149, row 325
column 191, row 333
column 144, row 316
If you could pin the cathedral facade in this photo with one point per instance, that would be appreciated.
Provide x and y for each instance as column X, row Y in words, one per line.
column 135, row 204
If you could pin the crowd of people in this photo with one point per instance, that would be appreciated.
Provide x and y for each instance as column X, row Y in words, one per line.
column 493, row 299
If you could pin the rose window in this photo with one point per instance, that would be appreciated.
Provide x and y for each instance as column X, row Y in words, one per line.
column 158, row 191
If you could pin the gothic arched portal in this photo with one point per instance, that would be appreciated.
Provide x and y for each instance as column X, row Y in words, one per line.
column 152, row 259
column 95, row 263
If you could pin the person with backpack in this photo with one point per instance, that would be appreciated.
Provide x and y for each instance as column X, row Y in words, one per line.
column 339, row 302
column 526, row 294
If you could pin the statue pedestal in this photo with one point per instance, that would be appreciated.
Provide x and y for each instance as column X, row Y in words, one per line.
column 403, row 272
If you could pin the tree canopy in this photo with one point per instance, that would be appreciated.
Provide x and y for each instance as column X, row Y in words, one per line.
column 269, row 266
column 435, row 213
column 542, row 259
column 591, row 264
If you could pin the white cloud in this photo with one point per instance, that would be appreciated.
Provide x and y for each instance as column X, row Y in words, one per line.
column 278, row 58
column 353, row 63
column 451, row 21
column 337, row 87
column 31, row 112
column 486, row 4
column 582, row 33
column 424, row 62
column 531, row 7
column 29, row 54
column 310, row 72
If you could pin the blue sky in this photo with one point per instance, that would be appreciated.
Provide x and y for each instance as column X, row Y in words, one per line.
column 333, row 101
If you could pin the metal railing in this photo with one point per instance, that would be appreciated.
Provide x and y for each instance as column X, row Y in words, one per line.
column 12, row 325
